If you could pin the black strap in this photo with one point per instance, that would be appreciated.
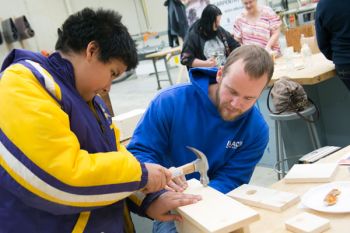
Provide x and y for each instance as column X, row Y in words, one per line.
column 317, row 113
column 224, row 41
column 268, row 103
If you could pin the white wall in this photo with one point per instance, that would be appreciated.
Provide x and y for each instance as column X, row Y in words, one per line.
column 45, row 16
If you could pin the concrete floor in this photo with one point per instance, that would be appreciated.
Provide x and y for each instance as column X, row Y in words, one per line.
column 138, row 91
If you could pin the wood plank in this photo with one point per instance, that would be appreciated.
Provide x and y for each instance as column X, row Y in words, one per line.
column 307, row 223
column 265, row 198
column 314, row 173
column 216, row 212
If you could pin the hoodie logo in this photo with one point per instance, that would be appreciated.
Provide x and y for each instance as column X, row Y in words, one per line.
column 233, row 144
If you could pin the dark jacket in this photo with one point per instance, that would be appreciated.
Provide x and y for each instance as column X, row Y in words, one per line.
column 177, row 21
column 333, row 30
column 194, row 44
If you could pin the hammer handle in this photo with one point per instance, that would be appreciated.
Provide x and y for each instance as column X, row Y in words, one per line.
column 183, row 170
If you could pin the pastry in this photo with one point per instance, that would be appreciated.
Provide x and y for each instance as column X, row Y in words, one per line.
column 331, row 198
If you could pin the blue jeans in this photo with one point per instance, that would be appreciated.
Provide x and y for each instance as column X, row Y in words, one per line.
column 164, row 227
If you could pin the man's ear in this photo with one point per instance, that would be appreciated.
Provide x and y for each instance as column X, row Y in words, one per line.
column 219, row 75
column 91, row 50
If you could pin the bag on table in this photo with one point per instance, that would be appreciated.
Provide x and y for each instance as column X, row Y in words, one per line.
column 289, row 96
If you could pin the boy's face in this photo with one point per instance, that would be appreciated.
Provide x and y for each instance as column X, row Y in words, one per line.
column 237, row 92
column 93, row 76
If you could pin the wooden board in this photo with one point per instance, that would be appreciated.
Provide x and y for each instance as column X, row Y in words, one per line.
column 216, row 212
column 304, row 173
column 127, row 122
column 265, row 198
column 307, row 223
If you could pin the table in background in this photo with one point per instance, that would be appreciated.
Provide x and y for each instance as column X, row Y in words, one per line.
column 316, row 70
column 164, row 54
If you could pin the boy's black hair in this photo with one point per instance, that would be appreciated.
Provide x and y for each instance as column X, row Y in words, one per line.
column 102, row 26
column 207, row 20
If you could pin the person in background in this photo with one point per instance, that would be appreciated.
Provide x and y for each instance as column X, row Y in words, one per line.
column 207, row 43
column 214, row 113
column 62, row 168
column 258, row 25
column 333, row 35
column 177, row 22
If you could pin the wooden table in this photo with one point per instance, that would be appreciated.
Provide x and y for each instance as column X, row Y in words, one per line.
column 317, row 70
column 273, row 222
column 164, row 54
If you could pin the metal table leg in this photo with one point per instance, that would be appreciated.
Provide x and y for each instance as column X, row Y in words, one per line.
column 156, row 72
column 167, row 70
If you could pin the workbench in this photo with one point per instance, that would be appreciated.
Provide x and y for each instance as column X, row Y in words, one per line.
column 273, row 222
column 164, row 54
column 314, row 70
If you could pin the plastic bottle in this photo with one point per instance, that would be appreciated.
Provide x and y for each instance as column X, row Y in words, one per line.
column 292, row 21
column 305, row 52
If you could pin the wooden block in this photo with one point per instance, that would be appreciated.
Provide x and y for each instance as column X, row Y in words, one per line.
column 265, row 198
column 307, row 223
column 127, row 122
column 216, row 212
column 306, row 173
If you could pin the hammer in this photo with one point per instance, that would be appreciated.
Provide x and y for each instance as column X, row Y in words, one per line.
column 199, row 165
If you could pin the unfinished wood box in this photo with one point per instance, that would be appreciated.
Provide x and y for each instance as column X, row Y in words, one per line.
column 265, row 198
column 127, row 122
column 307, row 223
column 216, row 212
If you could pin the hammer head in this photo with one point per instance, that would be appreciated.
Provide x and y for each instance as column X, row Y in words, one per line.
column 201, row 165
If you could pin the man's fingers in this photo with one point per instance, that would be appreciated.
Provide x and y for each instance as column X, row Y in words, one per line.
column 169, row 188
column 175, row 187
column 168, row 174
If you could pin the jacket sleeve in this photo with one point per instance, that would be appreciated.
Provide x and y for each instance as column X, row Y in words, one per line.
column 240, row 167
column 191, row 48
column 232, row 43
column 322, row 33
column 43, row 163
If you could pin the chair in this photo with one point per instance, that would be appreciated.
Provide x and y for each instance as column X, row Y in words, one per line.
column 280, row 147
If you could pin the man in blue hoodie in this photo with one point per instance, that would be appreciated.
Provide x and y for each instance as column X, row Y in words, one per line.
column 215, row 113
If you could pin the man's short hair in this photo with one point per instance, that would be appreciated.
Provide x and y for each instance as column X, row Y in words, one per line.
column 257, row 61
column 103, row 27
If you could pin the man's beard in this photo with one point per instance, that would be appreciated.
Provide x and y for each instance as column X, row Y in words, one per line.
column 225, row 110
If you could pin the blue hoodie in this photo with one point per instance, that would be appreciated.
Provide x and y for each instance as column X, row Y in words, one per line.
column 183, row 115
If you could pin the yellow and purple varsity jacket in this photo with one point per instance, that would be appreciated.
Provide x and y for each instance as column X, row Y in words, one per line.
column 62, row 168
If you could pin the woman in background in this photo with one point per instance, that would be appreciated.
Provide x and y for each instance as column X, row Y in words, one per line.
column 258, row 25
column 207, row 44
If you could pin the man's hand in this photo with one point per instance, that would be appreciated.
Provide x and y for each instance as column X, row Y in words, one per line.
column 160, row 208
column 177, row 184
column 158, row 177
